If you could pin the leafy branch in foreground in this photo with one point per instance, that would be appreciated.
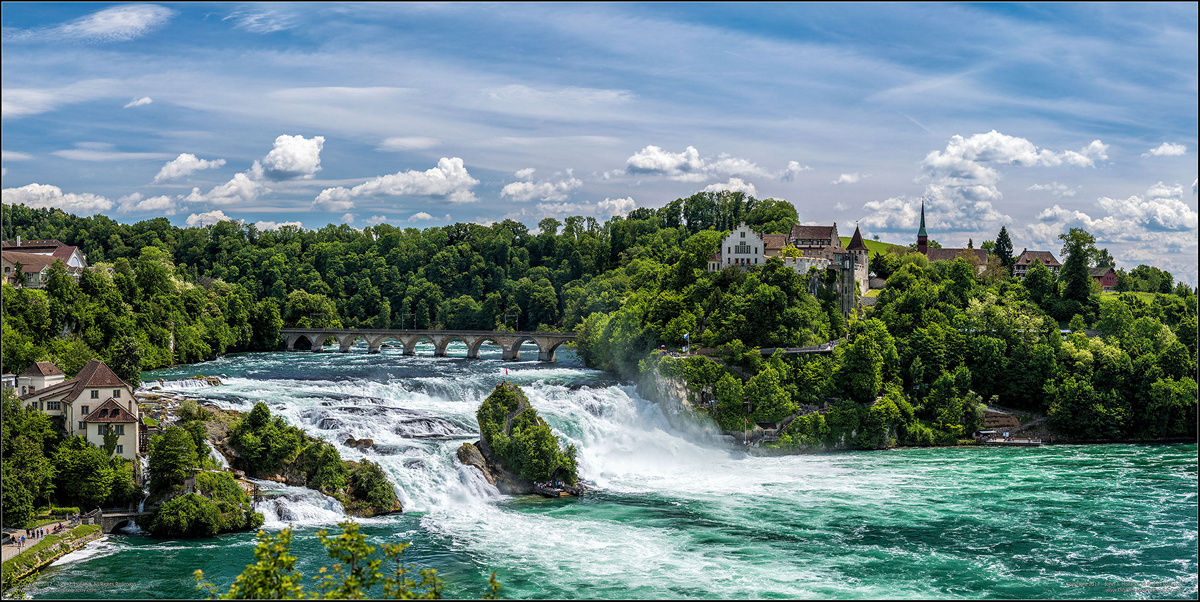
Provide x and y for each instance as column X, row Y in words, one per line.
column 272, row 576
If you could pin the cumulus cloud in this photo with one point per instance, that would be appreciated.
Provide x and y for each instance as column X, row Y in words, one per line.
column 1056, row 189
column 733, row 185
column 420, row 216
column 266, row 225
column 145, row 100
column 183, row 165
column 1157, row 226
column 244, row 187
column 45, row 196
column 294, row 157
column 963, row 182
column 1166, row 149
column 689, row 166
column 793, row 169
column 163, row 204
column 525, row 174
column 545, row 190
column 348, row 218
column 208, row 218
column 847, row 178
column 403, row 143
column 115, row 24
column 449, row 181
column 611, row 207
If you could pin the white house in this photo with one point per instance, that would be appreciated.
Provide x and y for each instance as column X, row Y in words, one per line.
column 743, row 247
column 87, row 404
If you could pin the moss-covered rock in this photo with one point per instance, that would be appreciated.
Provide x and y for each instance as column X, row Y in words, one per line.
column 517, row 447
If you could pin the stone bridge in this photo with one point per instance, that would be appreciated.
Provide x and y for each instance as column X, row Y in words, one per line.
column 510, row 342
column 110, row 522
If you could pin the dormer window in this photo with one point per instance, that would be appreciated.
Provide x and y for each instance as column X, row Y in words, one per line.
column 103, row 413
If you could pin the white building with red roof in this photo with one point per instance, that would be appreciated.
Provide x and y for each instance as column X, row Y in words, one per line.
column 91, row 402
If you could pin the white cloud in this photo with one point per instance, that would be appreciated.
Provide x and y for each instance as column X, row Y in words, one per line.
column 115, row 24
column 14, row 156
column 208, row 218
column 449, row 180
column 44, row 196
column 244, row 187
column 348, row 218
column 294, row 157
column 100, row 152
column 261, row 21
column 733, row 185
column 963, row 182
column 569, row 96
column 163, row 204
column 525, row 174
column 403, row 143
column 145, row 100
column 420, row 216
column 545, row 190
column 1056, row 189
column 610, row 207
column 689, row 166
column 185, row 164
column 20, row 102
column 265, row 225
column 847, row 178
column 793, row 169
column 1166, row 149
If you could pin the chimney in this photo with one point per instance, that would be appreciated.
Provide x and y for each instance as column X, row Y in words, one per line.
column 18, row 240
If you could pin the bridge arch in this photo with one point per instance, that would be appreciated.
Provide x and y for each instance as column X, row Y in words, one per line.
column 439, row 349
column 410, row 346
column 473, row 349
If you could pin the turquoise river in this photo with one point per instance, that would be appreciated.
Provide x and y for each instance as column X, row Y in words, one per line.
column 673, row 514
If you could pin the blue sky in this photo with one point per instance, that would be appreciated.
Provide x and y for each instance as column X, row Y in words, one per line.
column 1036, row 117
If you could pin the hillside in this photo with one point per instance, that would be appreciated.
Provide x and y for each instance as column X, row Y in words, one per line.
column 875, row 246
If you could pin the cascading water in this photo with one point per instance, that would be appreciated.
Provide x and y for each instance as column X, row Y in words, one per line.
column 677, row 514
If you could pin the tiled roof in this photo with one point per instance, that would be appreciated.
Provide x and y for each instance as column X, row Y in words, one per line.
column 42, row 369
column 945, row 254
column 31, row 263
column 774, row 241
column 715, row 257
column 110, row 411
column 1100, row 271
column 47, row 244
column 1046, row 257
column 811, row 232
column 95, row 374
column 856, row 242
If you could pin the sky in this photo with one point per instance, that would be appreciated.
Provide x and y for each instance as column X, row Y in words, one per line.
column 1035, row 117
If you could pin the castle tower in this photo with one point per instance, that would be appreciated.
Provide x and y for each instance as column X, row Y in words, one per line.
column 922, row 237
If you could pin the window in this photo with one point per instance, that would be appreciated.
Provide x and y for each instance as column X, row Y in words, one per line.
column 100, row 429
column 82, row 425
column 103, row 413
column 743, row 235
column 53, row 405
column 83, row 410
column 24, row 389
column 119, row 429
column 116, row 393
column 95, row 394
column 120, row 449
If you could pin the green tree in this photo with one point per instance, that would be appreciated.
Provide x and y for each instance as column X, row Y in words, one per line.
column 172, row 458
column 125, row 360
column 1078, row 247
column 1004, row 249
column 83, row 476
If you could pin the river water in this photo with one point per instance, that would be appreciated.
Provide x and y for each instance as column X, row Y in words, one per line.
column 672, row 516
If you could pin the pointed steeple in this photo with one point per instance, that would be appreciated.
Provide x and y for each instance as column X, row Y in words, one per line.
column 856, row 241
column 921, row 232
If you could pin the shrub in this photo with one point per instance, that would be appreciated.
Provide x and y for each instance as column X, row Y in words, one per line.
column 369, row 483
column 190, row 515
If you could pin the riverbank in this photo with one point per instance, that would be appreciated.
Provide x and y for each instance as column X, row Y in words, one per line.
column 44, row 552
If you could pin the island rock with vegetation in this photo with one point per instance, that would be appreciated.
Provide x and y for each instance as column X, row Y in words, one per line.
column 516, row 450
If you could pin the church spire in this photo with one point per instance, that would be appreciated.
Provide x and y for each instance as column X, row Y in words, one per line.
column 922, row 237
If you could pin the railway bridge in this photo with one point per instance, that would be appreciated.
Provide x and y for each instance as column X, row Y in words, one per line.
column 510, row 342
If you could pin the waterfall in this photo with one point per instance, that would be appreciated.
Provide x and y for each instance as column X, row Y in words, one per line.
column 283, row 505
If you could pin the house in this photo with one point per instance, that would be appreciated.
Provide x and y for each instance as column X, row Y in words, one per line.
column 815, row 237
column 1026, row 258
column 743, row 247
column 69, row 254
column 979, row 257
column 39, row 376
column 36, row 257
column 1105, row 276
column 8, row 381
column 89, row 403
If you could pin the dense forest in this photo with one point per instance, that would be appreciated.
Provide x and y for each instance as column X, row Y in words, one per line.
column 941, row 339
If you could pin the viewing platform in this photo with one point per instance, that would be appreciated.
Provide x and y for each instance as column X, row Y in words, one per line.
column 509, row 341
